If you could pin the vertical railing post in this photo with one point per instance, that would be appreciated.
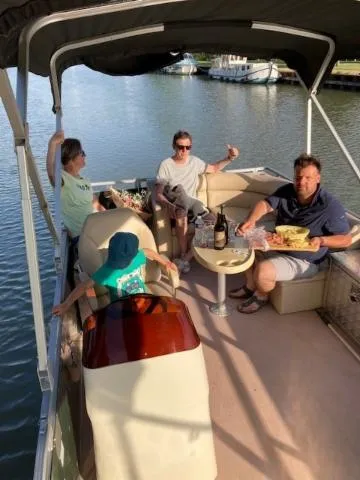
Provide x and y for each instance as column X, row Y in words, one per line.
column 46, row 381
column 58, row 180
column 309, row 126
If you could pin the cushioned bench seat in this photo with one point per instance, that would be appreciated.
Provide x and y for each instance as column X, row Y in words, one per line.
column 299, row 295
column 238, row 193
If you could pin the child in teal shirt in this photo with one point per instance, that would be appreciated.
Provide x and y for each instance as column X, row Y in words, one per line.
column 121, row 273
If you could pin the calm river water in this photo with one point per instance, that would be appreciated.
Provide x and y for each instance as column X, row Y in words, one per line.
column 126, row 126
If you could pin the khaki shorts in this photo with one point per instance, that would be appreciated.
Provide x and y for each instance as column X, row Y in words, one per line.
column 290, row 268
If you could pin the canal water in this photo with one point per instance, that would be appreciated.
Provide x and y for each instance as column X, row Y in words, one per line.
column 126, row 126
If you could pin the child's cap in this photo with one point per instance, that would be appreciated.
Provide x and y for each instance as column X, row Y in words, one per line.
column 123, row 247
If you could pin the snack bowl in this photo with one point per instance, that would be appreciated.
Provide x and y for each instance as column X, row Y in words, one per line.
column 292, row 232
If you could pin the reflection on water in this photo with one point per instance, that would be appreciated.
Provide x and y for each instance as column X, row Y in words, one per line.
column 126, row 125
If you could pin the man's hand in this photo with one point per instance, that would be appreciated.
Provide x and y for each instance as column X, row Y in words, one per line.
column 244, row 227
column 233, row 152
column 316, row 242
column 57, row 138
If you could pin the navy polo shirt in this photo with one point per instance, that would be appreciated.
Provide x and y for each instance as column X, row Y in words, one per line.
column 323, row 216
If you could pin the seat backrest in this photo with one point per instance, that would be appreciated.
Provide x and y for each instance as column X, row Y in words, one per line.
column 100, row 227
column 237, row 189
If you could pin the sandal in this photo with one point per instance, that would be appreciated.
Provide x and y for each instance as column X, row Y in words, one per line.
column 241, row 293
column 259, row 303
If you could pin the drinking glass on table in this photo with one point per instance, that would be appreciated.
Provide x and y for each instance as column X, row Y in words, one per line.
column 232, row 231
column 209, row 233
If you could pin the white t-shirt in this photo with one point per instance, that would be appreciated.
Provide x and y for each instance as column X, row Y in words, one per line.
column 185, row 174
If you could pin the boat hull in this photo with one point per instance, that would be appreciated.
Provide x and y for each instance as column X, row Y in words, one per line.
column 180, row 69
column 186, row 66
column 266, row 73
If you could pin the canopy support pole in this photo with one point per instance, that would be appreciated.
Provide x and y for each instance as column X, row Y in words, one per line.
column 27, row 168
column 336, row 135
column 322, row 70
column 298, row 32
column 313, row 98
column 135, row 32
column 308, row 126
column 58, row 180
column 21, row 99
column 20, row 131
column 45, row 378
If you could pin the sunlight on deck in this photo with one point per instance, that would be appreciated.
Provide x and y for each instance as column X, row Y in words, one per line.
column 273, row 384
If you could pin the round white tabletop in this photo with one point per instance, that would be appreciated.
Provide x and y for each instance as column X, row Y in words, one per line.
column 236, row 257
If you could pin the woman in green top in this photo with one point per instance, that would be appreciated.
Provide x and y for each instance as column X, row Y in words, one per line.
column 77, row 197
column 122, row 273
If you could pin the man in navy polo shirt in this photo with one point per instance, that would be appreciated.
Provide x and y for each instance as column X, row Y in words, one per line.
column 303, row 203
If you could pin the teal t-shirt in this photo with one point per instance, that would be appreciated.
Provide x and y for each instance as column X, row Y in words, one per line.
column 123, row 281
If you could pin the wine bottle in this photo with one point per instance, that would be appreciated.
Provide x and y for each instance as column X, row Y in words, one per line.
column 224, row 222
column 219, row 233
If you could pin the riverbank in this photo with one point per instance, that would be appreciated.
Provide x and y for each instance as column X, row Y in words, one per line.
column 339, row 79
column 341, row 68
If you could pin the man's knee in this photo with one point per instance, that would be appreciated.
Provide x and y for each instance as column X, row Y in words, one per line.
column 265, row 271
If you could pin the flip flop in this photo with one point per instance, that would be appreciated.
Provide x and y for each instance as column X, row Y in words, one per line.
column 254, row 299
column 241, row 293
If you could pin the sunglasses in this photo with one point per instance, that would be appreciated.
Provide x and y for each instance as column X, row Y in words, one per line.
column 183, row 147
column 82, row 153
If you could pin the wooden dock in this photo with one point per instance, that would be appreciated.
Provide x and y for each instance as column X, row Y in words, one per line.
column 339, row 81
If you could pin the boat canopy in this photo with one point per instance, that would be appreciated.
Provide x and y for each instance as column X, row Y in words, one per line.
column 216, row 26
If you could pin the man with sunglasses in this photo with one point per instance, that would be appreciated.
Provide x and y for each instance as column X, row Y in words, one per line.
column 183, row 169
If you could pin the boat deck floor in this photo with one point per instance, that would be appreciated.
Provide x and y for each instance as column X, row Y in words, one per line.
column 284, row 391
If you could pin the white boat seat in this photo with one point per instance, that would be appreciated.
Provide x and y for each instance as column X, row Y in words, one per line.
column 147, row 393
column 93, row 246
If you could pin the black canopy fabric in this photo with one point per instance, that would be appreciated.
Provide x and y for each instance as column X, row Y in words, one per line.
column 213, row 26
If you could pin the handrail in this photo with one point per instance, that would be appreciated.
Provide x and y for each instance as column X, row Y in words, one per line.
column 32, row 260
column 47, row 419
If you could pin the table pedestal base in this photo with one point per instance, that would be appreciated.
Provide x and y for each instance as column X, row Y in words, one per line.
column 220, row 308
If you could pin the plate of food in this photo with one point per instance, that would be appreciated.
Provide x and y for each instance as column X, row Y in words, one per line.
column 290, row 237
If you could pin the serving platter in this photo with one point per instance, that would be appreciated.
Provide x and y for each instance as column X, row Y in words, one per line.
column 288, row 248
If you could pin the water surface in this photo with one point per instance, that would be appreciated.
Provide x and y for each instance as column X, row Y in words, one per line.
column 126, row 126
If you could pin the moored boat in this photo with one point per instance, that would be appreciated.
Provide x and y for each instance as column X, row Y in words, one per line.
column 233, row 68
column 186, row 66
